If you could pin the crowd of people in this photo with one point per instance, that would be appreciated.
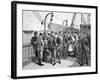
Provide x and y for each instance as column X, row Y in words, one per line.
column 52, row 47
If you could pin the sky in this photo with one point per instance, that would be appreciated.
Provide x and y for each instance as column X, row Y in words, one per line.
column 31, row 22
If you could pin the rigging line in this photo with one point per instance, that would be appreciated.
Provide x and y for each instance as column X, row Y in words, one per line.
column 84, row 19
column 75, row 19
column 36, row 16
column 81, row 18
column 42, row 21
column 72, row 23
column 39, row 15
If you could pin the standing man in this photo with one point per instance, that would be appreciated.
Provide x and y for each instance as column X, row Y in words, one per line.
column 84, row 47
column 76, row 44
column 62, row 43
column 40, row 47
column 52, row 48
column 46, row 52
column 70, row 43
column 65, row 45
column 34, row 43
column 58, row 47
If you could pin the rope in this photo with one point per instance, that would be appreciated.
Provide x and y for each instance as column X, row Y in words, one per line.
column 83, row 19
column 36, row 16
column 39, row 15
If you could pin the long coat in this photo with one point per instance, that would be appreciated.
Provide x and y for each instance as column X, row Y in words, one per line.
column 83, row 53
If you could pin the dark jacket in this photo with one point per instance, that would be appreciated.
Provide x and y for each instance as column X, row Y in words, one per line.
column 58, row 41
column 51, row 43
column 34, row 41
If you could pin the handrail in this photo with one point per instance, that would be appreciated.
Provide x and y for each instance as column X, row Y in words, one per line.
column 27, row 45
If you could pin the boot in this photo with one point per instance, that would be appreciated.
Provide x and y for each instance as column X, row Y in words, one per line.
column 40, row 63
